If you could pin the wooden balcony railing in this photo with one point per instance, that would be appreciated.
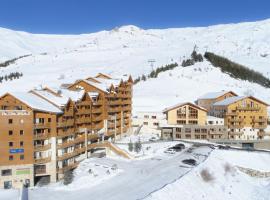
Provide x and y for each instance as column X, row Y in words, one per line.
column 41, row 136
column 71, row 154
column 67, row 123
column 65, row 133
column 42, row 160
column 42, row 147
column 247, row 108
column 42, row 125
column 68, row 167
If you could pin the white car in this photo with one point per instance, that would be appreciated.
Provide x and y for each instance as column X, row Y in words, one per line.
column 170, row 151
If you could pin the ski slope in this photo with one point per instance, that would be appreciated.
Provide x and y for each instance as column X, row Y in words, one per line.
column 58, row 59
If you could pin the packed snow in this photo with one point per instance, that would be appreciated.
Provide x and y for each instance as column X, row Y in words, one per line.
column 220, row 178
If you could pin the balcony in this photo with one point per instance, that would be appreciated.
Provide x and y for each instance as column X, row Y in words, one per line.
column 39, row 171
column 42, row 147
column 97, row 110
column 68, row 167
column 92, row 136
column 83, row 120
column 97, row 118
column 263, row 120
column 84, row 112
column 235, row 120
column 42, row 160
column 41, row 136
column 126, row 108
column 236, row 133
column 67, row 123
column 117, row 102
column 231, row 114
column 114, row 109
column 65, row 144
column 65, row 133
column 247, row 108
column 14, row 112
column 69, row 113
column 259, row 126
column 235, row 126
column 71, row 154
column 42, row 125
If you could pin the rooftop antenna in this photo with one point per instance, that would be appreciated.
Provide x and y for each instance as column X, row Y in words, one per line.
column 152, row 61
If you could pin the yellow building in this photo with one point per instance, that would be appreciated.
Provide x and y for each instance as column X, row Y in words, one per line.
column 206, row 101
column 246, row 117
column 186, row 113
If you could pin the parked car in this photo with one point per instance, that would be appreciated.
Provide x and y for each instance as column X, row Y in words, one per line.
column 170, row 151
column 189, row 162
column 224, row 147
column 182, row 146
column 153, row 139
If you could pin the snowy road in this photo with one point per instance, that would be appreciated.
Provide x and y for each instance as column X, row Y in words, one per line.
column 137, row 181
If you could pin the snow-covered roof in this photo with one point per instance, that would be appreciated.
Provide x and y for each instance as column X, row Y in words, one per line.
column 60, row 99
column 182, row 104
column 229, row 101
column 213, row 95
column 36, row 102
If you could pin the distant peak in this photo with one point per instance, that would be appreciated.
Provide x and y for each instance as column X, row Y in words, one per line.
column 127, row 28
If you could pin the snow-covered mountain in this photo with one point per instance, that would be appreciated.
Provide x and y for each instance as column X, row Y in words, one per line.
column 60, row 59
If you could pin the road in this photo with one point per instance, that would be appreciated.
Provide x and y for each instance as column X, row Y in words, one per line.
column 138, row 179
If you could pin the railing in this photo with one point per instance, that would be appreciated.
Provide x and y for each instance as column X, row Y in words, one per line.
column 259, row 126
column 264, row 120
column 117, row 102
column 115, row 109
column 66, row 123
column 84, row 112
column 236, row 133
column 69, row 114
column 42, row 147
column 41, row 136
column 96, row 110
column 69, row 167
column 40, row 171
column 64, row 133
column 231, row 114
column 42, row 160
column 97, row 118
column 235, row 120
column 42, row 125
column 71, row 154
column 126, row 108
column 235, row 126
column 247, row 108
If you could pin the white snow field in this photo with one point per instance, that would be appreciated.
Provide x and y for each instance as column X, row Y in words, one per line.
column 227, row 182
column 58, row 59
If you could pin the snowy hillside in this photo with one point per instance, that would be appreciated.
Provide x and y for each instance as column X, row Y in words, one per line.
column 60, row 59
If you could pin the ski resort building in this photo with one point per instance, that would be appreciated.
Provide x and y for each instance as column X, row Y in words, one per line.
column 47, row 132
column 186, row 113
column 246, row 116
column 206, row 101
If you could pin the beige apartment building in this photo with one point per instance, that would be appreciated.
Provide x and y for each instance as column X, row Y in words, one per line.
column 246, row 117
column 189, row 121
column 46, row 132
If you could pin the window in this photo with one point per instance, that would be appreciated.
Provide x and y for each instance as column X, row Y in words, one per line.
column 146, row 116
column 155, row 124
column 10, row 157
column 145, row 123
column 10, row 144
column 7, row 184
column 10, row 132
column 154, row 117
column 10, row 121
column 21, row 143
column 49, row 119
column 21, row 132
column 178, row 130
column 6, row 172
column 21, row 157
column 49, row 130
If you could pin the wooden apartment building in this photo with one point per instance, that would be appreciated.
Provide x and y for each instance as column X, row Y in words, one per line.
column 246, row 116
column 46, row 132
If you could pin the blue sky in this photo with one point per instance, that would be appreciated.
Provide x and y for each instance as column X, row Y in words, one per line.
column 83, row 16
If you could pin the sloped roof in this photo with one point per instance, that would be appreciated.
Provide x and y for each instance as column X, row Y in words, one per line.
column 231, row 100
column 214, row 95
column 35, row 102
column 183, row 104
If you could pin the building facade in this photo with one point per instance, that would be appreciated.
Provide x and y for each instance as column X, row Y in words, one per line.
column 46, row 132
column 186, row 113
column 246, row 117
column 206, row 101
